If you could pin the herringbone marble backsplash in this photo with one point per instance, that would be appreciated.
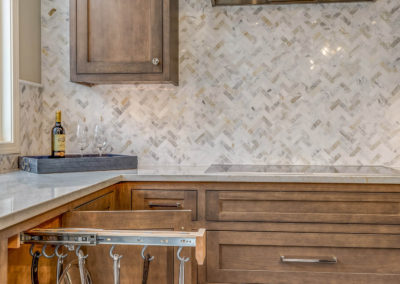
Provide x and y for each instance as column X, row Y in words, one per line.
column 31, row 117
column 294, row 84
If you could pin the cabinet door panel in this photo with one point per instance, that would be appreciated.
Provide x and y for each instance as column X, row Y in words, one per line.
column 163, row 269
column 255, row 257
column 119, row 36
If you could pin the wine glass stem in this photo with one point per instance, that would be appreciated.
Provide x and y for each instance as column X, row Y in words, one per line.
column 100, row 152
column 81, row 153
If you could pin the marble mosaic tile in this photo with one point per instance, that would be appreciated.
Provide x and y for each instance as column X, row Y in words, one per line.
column 293, row 84
column 30, row 127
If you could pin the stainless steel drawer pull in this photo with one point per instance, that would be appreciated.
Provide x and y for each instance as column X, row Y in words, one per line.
column 177, row 205
column 295, row 259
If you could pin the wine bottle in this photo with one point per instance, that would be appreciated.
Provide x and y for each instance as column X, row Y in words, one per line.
column 58, row 138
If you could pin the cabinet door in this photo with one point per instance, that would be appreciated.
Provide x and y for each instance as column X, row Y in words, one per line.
column 119, row 36
column 164, row 267
column 165, row 200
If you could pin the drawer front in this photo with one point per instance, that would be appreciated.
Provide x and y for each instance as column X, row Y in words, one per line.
column 165, row 200
column 320, row 207
column 103, row 203
column 256, row 257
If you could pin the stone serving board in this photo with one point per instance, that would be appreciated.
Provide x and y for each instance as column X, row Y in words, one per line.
column 76, row 163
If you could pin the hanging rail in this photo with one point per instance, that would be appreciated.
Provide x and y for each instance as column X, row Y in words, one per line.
column 93, row 237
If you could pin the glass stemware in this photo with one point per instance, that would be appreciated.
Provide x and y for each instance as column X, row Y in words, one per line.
column 100, row 139
column 82, row 137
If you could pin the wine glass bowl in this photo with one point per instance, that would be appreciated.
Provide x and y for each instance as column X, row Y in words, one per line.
column 100, row 139
column 82, row 137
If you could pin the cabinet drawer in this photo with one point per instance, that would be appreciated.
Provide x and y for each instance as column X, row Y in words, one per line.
column 105, row 202
column 255, row 257
column 320, row 207
column 165, row 200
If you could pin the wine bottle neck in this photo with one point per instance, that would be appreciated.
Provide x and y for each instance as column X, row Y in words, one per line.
column 58, row 117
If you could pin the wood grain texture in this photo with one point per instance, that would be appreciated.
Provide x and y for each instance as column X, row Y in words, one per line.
column 163, row 268
column 3, row 260
column 102, row 203
column 116, row 41
column 19, row 261
column 244, row 245
column 165, row 200
column 254, row 257
column 319, row 207
column 49, row 215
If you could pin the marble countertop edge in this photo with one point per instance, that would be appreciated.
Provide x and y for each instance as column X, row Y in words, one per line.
column 25, row 214
column 24, row 195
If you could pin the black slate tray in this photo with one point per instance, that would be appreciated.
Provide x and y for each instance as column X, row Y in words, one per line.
column 76, row 163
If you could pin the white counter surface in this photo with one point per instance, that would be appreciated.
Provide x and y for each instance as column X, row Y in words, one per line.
column 25, row 195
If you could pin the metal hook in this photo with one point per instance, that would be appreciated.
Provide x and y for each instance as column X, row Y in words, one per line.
column 77, row 252
column 60, row 255
column 31, row 251
column 178, row 254
column 45, row 254
column 144, row 258
column 112, row 255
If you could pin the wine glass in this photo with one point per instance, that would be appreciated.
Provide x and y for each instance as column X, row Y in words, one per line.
column 82, row 137
column 100, row 139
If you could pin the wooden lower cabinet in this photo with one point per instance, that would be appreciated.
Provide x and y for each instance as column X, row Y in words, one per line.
column 97, row 213
column 256, row 257
column 250, row 227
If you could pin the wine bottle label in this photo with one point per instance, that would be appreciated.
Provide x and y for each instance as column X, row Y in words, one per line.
column 59, row 143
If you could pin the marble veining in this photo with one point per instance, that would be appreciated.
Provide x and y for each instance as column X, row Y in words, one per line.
column 24, row 195
column 303, row 169
column 273, row 84
column 30, row 116
column 278, row 84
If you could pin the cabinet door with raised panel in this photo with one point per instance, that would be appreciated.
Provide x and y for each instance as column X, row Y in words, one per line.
column 119, row 36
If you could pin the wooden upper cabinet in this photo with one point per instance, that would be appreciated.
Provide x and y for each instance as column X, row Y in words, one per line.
column 124, row 41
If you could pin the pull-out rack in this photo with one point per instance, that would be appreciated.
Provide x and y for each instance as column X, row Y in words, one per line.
column 93, row 237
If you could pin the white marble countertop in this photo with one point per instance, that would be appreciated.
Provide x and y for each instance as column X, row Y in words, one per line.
column 25, row 195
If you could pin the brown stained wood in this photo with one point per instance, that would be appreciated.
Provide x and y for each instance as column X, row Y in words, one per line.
column 102, row 203
column 19, row 260
column 3, row 260
column 201, row 247
column 165, row 200
column 116, row 41
column 14, row 242
column 259, row 186
column 19, row 266
column 301, row 227
column 37, row 220
column 164, row 266
column 123, row 197
column 318, row 207
column 120, row 36
column 369, row 226
column 254, row 257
